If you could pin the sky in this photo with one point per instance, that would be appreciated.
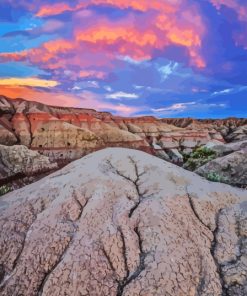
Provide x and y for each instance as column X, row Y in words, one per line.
column 165, row 58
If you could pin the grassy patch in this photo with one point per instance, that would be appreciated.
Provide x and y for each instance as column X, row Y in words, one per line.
column 215, row 177
column 4, row 189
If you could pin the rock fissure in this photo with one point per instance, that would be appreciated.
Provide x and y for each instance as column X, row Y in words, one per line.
column 135, row 182
column 30, row 130
column 25, row 235
column 212, row 250
column 19, row 253
column 141, row 266
column 192, row 205
column 214, row 242
column 109, row 260
column 47, row 275
column 201, row 285
column 50, row 271
column 80, row 205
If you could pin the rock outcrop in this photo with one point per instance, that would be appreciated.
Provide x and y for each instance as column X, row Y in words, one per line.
column 230, row 169
column 225, row 163
column 238, row 134
column 18, row 162
column 225, row 149
column 122, row 222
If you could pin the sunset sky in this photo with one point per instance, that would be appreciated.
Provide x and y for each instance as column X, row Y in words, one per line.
column 166, row 58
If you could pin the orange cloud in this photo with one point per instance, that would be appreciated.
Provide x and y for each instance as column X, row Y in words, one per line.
column 54, row 9
column 139, row 43
column 43, row 54
column 13, row 56
column 31, row 94
column 169, row 24
column 58, row 46
column 85, row 100
column 35, row 82
column 185, row 37
column 110, row 35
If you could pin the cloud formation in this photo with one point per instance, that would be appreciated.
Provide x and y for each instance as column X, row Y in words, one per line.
column 35, row 82
column 122, row 95
column 127, row 56
column 169, row 24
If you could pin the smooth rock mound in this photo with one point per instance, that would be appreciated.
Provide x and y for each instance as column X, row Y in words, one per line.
column 122, row 222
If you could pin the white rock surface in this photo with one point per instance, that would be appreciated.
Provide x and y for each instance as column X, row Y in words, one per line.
column 122, row 222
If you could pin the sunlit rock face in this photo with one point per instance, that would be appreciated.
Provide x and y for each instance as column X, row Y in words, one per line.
column 122, row 222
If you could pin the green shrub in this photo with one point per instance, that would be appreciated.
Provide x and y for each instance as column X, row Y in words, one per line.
column 198, row 158
column 215, row 177
column 203, row 152
column 4, row 189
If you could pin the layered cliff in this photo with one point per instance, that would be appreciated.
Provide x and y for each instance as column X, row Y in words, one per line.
column 65, row 134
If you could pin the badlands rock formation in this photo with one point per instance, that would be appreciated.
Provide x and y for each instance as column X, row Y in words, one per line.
column 122, row 222
column 226, row 149
column 231, row 168
column 230, row 128
column 61, row 133
column 65, row 134
column 18, row 162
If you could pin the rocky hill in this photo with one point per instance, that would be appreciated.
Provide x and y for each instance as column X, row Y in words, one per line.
column 65, row 134
column 122, row 222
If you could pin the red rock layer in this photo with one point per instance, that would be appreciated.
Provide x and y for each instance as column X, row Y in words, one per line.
column 68, row 133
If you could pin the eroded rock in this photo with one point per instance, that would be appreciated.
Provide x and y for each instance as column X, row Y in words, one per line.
column 230, row 169
column 19, row 162
column 122, row 222
column 65, row 134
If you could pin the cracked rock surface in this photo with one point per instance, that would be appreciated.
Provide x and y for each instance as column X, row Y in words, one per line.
column 122, row 222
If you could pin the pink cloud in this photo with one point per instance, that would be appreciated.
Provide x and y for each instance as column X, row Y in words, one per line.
column 92, row 74
column 97, row 44
column 49, row 98
column 53, row 9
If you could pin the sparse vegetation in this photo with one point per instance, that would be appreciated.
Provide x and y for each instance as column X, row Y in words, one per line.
column 215, row 177
column 4, row 189
column 198, row 158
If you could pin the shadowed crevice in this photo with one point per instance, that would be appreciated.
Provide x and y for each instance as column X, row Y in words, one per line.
column 136, row 182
